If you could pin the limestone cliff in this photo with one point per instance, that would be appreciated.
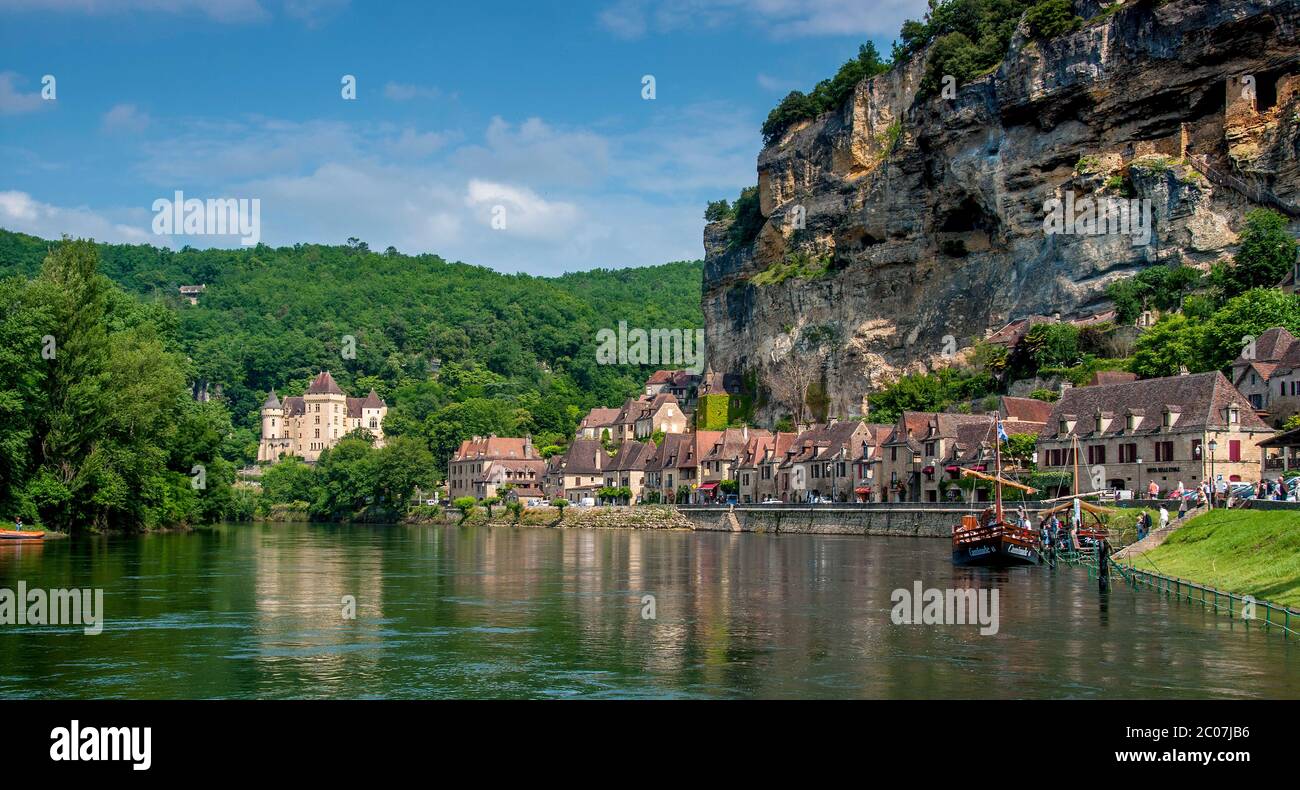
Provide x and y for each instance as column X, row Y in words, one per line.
column 901, row 220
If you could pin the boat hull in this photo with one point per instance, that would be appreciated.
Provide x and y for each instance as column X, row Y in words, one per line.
column 10, row 534
column 995, row 552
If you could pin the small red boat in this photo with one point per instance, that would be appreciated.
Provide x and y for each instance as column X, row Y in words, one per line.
column 15, row 534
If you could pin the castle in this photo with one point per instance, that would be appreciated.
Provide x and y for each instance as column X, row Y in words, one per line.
column 315, row 421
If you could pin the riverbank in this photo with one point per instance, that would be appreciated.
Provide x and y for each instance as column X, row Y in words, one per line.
column 1250, row 552
column 607, row 517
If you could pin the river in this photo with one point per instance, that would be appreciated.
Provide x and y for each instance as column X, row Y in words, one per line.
column 260, row 611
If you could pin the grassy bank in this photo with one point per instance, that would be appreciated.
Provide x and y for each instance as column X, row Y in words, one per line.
column 1251, row 552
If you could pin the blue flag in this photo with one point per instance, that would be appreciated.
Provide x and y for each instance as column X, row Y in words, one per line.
column 1002, row 433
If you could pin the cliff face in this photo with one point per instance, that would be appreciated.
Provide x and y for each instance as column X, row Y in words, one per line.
column 908, row 226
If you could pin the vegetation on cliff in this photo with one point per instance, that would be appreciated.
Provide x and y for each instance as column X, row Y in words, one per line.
column 1204, row 321
column 966, row 39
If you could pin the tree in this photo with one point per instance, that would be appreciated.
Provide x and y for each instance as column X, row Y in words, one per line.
column 466, row 505
column 717, row 211
column 560, row 504
column 1051, row 18
column 1164, row 349
column 1228, row 331
column 789, row 378
column 1264, row 257
column 516, row 510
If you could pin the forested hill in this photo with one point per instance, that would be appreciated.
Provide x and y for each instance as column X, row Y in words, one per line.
column 514, row 353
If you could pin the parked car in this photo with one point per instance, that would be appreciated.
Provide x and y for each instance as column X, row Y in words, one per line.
column 587, row 502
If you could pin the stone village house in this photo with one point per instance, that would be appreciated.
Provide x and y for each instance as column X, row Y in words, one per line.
column 1167, row 424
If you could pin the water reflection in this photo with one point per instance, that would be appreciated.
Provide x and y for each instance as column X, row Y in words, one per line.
column 258, row 611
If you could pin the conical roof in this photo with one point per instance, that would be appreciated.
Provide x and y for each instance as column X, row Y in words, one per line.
column 324, row 384
column 272, row 402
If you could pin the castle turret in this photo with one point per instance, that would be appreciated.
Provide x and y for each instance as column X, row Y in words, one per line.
column 273, row 429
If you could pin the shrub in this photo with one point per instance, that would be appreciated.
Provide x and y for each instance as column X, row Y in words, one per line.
column 466, row 505
column 1051, row 18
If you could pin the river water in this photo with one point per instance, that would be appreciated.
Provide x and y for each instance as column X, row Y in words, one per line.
column 240, row 611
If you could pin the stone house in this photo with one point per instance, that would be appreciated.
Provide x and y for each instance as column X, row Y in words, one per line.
column 475, row 456
column 921, row 447
column 1126, row 435
column 1268, row 374
column 627, row 469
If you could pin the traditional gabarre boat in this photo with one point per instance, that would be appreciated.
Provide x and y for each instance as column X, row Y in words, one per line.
column 1087, row 535
column 13, row 534
column 989, row 539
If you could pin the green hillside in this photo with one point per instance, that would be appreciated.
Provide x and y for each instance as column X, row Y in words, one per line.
column 514, row 353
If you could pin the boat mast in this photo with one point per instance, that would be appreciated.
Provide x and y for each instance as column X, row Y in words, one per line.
column 997, row 461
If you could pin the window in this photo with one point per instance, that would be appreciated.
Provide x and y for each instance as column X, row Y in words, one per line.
column 1128, row 453
column 1129, row 422
column 1096, row 454
column 1060, row 428
column 1164, row 451
column 893, row 453
column 1168, row 419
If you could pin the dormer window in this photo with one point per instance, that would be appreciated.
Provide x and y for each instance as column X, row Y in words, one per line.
column 1130, row 422
column 1233, row 416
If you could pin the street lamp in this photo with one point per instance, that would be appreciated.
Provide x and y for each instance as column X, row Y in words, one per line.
column 916, row 476
column 1138, row 493
column 1214, row 488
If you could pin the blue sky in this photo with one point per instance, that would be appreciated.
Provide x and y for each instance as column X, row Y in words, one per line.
column 460, row 108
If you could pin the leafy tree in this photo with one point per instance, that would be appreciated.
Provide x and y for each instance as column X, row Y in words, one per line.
column 717, row 211
column 466, row 505
column 1052, row 18
column 1172, row 343
column 1249, row 315
column 516, row 510
column 1054, row 344
column 1264, row 257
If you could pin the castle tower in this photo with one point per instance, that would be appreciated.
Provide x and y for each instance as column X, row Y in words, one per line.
column 274, row 432
column 324, row 420
column 373, row 411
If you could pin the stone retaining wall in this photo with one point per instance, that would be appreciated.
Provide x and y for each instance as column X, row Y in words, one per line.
column 911, row 522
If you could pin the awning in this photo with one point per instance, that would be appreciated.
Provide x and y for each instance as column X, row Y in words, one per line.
column 929, row 470
column 708, row 486
column 952, row 468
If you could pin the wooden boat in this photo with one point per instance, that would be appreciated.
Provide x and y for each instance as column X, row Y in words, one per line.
column 26, row 534
column 990, row 539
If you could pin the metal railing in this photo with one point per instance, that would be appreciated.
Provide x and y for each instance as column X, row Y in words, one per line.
column 1243, row 607
column 1255, row 192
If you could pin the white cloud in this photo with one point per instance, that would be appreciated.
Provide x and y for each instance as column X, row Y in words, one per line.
column 524, row 212
column 20, row 212
column 13, row 101
column 575, row 197
column 778, row 18
column 536, row 153
column 125, row 118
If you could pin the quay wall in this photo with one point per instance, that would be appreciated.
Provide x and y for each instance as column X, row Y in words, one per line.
column 935, row 522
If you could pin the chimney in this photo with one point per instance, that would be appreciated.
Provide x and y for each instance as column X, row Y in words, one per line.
column 744, row 432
